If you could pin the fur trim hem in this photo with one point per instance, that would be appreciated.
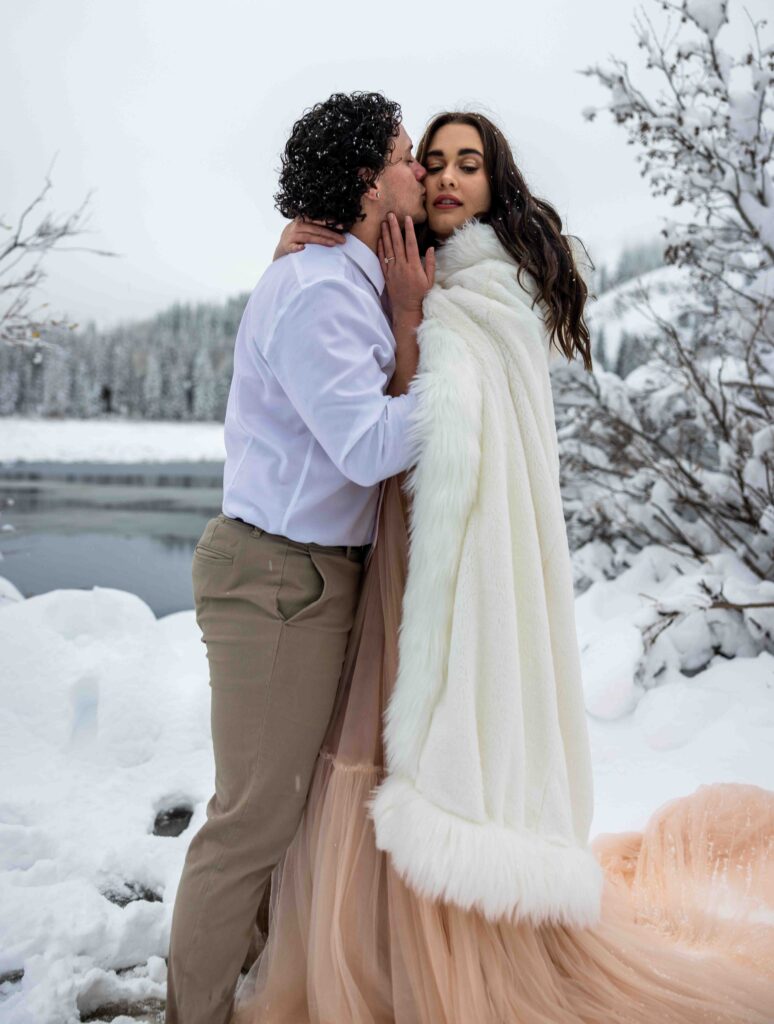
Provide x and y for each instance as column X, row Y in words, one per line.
column 501, row 872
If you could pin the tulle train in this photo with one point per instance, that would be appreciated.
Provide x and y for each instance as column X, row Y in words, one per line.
column 687, row 927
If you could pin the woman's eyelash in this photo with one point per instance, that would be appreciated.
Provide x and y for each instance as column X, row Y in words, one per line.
column 471, row 170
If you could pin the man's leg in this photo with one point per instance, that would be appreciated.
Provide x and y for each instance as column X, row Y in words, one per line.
column 275, row 618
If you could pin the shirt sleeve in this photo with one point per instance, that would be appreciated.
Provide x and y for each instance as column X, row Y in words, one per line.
column 323, row 351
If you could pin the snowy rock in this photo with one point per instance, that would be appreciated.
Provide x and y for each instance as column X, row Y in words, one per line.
column 8, row 592
column 671, row 715
column 609, row 661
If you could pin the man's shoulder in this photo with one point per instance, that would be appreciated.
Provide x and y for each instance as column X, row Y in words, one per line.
column 300, row 269
column 304, row 276
column 318, row 263
column 315, row 268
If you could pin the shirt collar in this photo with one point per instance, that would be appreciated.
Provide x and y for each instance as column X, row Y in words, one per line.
column 366, row 259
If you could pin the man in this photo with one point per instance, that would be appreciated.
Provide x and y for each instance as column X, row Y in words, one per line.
column 318, row 415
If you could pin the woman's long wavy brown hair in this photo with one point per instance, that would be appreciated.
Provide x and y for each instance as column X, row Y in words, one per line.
column 531, row 231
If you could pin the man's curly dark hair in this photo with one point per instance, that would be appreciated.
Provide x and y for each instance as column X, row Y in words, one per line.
column 334, row 154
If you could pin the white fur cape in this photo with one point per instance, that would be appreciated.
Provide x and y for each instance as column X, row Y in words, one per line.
column 488, row 799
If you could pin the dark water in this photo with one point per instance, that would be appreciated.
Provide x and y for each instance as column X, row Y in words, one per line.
column 132, row 527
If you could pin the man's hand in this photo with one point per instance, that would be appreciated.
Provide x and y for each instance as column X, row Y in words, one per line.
column 408, row 281
column 300, row 231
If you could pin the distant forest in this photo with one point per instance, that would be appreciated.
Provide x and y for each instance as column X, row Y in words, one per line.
column 174, row 366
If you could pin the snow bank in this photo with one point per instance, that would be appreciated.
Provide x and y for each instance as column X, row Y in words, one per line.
column 697, row 706
column 24, row 440
column 104, row 722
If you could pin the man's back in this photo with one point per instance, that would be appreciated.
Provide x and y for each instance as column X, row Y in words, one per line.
column 309, row 429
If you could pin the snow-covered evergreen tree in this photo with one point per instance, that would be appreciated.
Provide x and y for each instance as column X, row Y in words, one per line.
column 152, row 388
column 56, row 374
column 204, row 395
column 9, row 381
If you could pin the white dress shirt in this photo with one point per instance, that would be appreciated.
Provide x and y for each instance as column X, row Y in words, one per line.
column 309, row 430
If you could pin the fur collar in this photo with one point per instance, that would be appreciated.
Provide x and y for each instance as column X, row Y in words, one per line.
column 471, row 245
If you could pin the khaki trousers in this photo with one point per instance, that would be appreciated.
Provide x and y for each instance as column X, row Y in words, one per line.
column 275, row 616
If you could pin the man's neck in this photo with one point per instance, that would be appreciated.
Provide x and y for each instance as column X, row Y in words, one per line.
column 367, row 231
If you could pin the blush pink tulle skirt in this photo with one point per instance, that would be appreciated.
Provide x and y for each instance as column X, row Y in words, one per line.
column 687, row 927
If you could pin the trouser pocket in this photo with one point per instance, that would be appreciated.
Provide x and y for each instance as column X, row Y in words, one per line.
column 302, row 587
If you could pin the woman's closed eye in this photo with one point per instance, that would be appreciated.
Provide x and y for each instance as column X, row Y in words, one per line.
column 469, row 170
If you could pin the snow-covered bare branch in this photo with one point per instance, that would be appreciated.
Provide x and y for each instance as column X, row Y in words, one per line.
column 679, row 453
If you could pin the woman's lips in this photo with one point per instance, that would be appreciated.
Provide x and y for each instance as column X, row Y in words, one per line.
column 446, row 203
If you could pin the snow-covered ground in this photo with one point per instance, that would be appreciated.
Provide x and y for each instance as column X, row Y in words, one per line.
column 110, row 440
column 104, row 722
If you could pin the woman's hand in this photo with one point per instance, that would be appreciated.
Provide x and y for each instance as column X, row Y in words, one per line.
column 408, row 281
column 300, row 231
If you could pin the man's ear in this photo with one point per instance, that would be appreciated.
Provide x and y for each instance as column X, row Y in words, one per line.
column 373, row 193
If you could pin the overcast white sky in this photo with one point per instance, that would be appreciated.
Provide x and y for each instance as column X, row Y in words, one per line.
column 176, row 111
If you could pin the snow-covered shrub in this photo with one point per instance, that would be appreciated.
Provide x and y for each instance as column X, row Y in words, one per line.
column 680, row 452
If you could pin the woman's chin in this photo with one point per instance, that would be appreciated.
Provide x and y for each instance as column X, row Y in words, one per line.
column 443, row 225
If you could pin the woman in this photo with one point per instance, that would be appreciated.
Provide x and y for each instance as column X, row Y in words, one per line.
column 440, row 874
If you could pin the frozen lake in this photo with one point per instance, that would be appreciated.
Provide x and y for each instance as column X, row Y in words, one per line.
column 132, row 526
